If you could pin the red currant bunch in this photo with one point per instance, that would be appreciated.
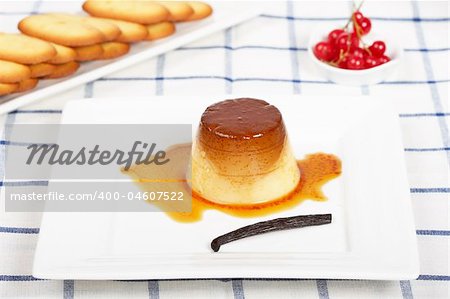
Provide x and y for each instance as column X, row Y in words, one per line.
column 344, row 47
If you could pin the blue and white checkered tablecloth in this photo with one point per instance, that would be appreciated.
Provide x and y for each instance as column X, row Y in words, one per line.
column 268, row 54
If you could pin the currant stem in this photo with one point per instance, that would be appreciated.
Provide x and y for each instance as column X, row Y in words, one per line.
column 351, row 17
column 360, row 5
column 341, row 56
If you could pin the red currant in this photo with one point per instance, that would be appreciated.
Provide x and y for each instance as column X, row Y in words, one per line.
column 358, row 52
column 343, row 62
column 383, row 59
column 357, row 16
column 355, row 63
column 364, row 26
column 370, row 62
column 355, row 37
column 347, row 42
column 354, row 41
column 333, row 35
column 366, row 52
column 323, row 51
column 378, row 48
column 335, row 53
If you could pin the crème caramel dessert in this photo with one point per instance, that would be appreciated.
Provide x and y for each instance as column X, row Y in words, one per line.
column 241, row 154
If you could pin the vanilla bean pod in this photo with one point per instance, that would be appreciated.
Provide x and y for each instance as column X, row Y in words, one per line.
column 270, row 226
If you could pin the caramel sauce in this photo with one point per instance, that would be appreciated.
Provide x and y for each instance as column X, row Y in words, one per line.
column 316, row 170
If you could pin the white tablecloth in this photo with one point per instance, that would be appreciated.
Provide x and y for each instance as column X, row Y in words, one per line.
column 268, row 54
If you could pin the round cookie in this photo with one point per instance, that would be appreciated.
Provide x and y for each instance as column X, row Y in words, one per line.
column 63, row 55
column 130, row 32
column 201, row 10
column 160, row 30
column 113, row 50
column 64, row 70
column 142, row 12
column 111, row 31
column 26, row 85
column 11, row 72
column 108, row 29
column 24, row 49
column 41, row 69
column 88, row 53
column 179, row 11
column 61, row 31
column 7, row 88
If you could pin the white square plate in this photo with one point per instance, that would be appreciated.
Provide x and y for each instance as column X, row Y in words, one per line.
column 226, row 14
column 372, row 235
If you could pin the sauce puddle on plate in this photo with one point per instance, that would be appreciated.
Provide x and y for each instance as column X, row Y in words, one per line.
column 316, row 170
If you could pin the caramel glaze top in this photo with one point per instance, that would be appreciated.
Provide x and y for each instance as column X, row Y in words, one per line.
column 242, row 137
column 242, row 125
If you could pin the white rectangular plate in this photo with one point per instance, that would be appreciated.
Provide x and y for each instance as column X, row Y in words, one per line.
column 226, row 14
column 372, row 235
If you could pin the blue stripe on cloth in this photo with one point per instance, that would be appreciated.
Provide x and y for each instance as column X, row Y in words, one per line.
column 437, row 149
column 13, row 143
column 36, row 7
column 438, row 114
column 295, row 66
column 365, row 90
column 198, row 77
column 68, row 289
column 242, row 48
column 43, row 111
column 154, row 283
column 23, row 183
column 14, row 13
column 9, row 143
column 302, row 49
column 427, row 50
column 389, row 19
column 228, row 60
column 322, row 288
column 56, row 111
column 430, row 190
column 89, row 89
column 236, row 284
column 430, row 232
column 19, row 230
column 434, row 277
column 18, row 278
column 259, row 79
column 45, row 183
column 160, row 63
column 443, row 126
column 405, row 287
column 33, row 11
column 238, row 289
column 415, row 82
column 153, row 289
column 35, row 230
column 10, row 118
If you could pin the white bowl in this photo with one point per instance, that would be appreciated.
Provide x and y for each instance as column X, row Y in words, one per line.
column 356, row 77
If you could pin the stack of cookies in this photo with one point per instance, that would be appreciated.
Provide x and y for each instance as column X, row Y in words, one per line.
column 52, row 46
